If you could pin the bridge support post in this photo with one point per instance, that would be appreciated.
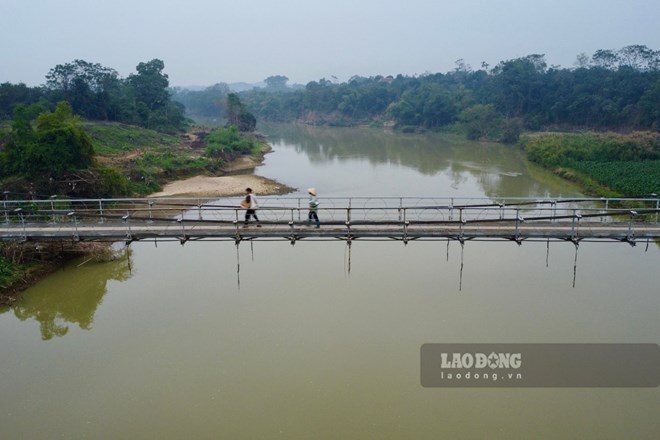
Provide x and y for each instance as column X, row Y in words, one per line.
column 575, row 222
column 19, row 211
column 4, row 203
column 129, row 235
column 76, row 235
column 554, row 211
column 183, row 227
column 52, row 208
column 292, row 238
column 238, row 235
column 519, row 220
column 630, row 237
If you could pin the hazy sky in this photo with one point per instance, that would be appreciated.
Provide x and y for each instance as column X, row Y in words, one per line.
column 203, row 42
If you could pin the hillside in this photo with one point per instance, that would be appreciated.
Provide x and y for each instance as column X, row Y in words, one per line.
column 147, row 157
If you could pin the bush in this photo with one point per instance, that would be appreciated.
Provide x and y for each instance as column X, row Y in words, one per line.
column 228, row 143
column 113, row 183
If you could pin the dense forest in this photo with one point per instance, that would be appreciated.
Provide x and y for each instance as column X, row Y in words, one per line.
column 610, row 90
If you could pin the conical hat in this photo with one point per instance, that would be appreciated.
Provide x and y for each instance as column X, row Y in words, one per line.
column 312, row 191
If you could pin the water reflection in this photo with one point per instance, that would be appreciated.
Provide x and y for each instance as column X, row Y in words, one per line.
column 451, row 163
column 56, row 303
column 426, row 153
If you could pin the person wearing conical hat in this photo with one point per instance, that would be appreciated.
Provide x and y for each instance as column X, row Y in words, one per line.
column 313, row 207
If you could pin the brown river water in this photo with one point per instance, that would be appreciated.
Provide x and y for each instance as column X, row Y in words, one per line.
column 312, row 341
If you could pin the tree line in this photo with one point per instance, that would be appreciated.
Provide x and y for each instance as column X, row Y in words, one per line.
column 96, row 92
column 45, row 147
column 611, row 90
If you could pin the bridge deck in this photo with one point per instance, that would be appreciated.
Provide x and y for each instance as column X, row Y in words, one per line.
column 348, row 219
column 299, row 231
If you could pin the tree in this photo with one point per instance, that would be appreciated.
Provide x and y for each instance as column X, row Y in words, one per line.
column 13, row 156
column 276, row 83
column 153, row 106
column 150, row 84
column 89, row 88
column 480, row 121
column 207, row 102
column 238, row 115
column 61, row 144
column 582, row 61
column 638, row 57
column 56, row 145
column 519, row 85
column 12, row 95
column 607, row 59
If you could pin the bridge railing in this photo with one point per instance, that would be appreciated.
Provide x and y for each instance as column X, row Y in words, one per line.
column 336, row 210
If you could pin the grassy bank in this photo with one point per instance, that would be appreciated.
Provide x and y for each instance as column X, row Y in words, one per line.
column 150, row 159
column 607, row 164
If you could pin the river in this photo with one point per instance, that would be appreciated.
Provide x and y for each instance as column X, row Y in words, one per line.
column 315, row 342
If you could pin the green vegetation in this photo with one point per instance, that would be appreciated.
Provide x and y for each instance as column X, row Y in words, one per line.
column 150, row 170
column 47, row 149
column 227, row 143
column 117, row 138
column 55, row 152
column 150, row 158
column 53, row 146
column 630, row 178
column 552, row 150
column 96, row 92
column 605, row 164
column 10, row 273
column 16, row 267
column 50, row 153
column 612, row 90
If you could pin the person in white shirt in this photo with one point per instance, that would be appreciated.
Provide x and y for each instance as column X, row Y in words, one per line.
column 251, row 205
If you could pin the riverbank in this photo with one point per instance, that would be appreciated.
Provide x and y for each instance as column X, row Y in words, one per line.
column 603, row 164
column 230, row 183
column 222, row 186
column 197, row 186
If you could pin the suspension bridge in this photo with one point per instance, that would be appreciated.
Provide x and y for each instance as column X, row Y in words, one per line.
column 358, row 218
